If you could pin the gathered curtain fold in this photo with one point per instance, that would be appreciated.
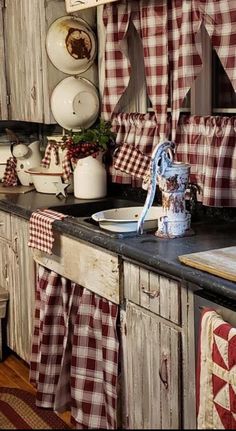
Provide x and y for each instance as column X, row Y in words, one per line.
column 171, row 49
column 74, row 358
column 208, row 145
column 219, row 19
column 137, row 136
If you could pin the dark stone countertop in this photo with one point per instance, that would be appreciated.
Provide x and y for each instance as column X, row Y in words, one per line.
column 147, row 249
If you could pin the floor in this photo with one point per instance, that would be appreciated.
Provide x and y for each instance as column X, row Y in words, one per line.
column 14, row 373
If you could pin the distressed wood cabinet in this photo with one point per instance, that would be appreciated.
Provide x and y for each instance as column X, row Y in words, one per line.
column 157, row 321
column 157, row 351
column 17, row 276
column 27, row 77
column 91, row 267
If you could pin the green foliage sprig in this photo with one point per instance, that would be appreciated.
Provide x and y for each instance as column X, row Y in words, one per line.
column 90, row 141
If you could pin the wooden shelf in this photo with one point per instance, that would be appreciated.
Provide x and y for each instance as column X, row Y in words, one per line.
column 75, row 5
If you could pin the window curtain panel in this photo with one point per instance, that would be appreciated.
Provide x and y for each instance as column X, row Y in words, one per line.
column 208, row 144
column 116, row 19
column 219, row 19
column 74, row 360
column 170, row 51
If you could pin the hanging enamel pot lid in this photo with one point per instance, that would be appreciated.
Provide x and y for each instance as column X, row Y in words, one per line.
column 71, row 45
column 75, row 103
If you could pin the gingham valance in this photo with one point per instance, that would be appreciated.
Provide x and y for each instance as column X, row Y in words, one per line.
column 208, row 144
column 172, row 53
column 137, row 136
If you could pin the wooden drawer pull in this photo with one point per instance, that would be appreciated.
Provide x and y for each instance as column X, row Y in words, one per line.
column 163, row 372
column 151, row 293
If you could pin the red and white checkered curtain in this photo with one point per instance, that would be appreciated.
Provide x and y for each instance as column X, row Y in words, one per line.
column 168, row 34
column 184, row 53
column 116, row 18
column 137, row 135
column 208, row 144
column 74, row 360
column 150, row 19
column 219, row 18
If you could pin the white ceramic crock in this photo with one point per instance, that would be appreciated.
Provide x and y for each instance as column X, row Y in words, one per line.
column 90, row 178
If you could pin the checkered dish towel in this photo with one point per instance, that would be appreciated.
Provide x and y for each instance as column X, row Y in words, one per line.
column 10, row 178
column 40, row 229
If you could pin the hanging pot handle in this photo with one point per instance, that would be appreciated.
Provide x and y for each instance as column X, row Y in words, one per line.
column 13, row 139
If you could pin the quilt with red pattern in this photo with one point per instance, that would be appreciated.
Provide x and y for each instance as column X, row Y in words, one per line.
column 216, row 373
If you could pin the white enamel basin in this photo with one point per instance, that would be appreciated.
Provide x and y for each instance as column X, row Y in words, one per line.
column 126, row 219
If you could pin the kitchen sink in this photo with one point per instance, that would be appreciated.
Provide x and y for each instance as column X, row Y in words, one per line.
column 88, row 208
column 81, row 213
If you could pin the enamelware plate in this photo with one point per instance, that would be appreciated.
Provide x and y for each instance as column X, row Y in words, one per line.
column 126, row 219
column 75, row 103
column 71, row 45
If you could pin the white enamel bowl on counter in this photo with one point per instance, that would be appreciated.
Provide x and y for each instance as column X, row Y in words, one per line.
column 44, row 180
column 71, row 45
column 126, row 219
column 75, row 103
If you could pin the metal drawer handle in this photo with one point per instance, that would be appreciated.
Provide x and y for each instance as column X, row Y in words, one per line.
column 163, row 372
column 151, row 293
column 1, row 223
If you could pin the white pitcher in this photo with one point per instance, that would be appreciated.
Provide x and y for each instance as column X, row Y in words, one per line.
column 27, row 156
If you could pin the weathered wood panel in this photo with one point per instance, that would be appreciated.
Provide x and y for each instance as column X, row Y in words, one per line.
column 158, row 294
column 5, row 226
column 188, row 357
column 152, row 372
column 3, row 84
column 22, row 291
column 220, row 262
column 23, row 59
column 87, row 265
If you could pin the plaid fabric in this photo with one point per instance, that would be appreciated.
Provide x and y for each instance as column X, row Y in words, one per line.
column 10, row 176
column 74, row 361
column 40, row 229
column 219, row 18
column 208, row 144
column 65, row 164
column 131, row 160
column 150, row 19
column 184, row 53
column 137, row 136
column 216, row 398
column 171, row 48
column 51, row 146
column 116, row 20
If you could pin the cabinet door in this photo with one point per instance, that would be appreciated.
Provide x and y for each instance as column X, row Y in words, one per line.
column 22, row 290
column 6, row 281
column 152, row 372
column 23, row 59
column 3, row 89
column 4, row 265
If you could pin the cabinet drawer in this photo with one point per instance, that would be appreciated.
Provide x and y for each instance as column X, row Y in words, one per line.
column 5, row 225
column 87, row 265
column 154, row 292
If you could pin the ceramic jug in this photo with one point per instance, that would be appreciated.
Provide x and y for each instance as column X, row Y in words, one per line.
column 27, row 156
column 90, row 178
